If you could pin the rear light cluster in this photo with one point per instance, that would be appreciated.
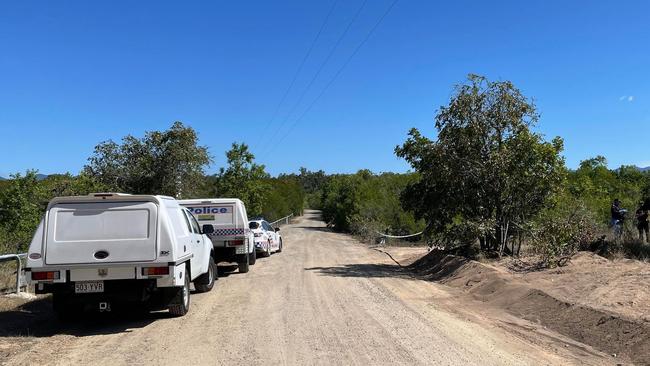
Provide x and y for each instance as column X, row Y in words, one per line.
column 46, row 276
column 155, row 271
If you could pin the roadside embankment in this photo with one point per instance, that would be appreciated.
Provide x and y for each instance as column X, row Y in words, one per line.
column 601, row 303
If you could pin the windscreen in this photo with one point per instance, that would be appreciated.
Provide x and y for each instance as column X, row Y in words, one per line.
column 253, row 225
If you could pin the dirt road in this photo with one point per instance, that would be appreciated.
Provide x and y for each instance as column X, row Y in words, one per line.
column 324, row 300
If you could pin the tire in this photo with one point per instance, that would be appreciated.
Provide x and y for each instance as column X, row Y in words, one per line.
column 180, row 304
column 280, row 246
column 205, row 282
column 252, row 257
column 243, row 265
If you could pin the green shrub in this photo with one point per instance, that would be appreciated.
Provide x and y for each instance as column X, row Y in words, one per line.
column 563, row 229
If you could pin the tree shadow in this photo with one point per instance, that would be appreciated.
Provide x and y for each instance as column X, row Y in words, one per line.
column 367, row 270
column 316, row 228
column 314, row 217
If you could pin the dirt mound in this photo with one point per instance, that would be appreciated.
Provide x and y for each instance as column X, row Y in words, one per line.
column 606, row 331
column 544, row 297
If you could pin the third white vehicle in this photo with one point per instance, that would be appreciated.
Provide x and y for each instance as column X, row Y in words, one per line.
column 267, row 239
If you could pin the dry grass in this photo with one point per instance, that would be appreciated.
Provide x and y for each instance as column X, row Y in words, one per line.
column 7, row 276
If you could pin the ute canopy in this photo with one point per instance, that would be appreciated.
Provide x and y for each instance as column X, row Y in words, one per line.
column 124, row 231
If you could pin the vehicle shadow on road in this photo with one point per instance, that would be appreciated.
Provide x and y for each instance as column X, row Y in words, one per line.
column 37, row 319
column 368, row 270
column 226, row 270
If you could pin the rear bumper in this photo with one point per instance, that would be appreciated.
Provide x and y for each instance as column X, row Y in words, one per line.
column 144, row 292
column 224, row 244
column 229, row 254
column 261, row 245
column 110, row 273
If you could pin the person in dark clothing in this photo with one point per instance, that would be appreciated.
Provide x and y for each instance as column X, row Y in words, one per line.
column 618, row 214
column 642, row 222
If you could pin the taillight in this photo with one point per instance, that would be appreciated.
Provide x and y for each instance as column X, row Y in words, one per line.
column 46, row 276
column 236, row 242
column 155, row 271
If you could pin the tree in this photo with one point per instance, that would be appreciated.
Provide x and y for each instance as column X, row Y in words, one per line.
column 243, row 179
column 340, row 201
column 24, row 200
column 487, row 173
column 365, row 203
column 284, row 196
column 22, row 204
column 312, row 181
column 162, row 162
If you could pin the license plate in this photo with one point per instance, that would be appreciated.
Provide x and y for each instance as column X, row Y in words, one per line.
column 88, row 287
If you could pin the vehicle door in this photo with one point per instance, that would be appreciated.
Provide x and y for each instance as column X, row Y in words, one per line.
column 196, row 243
column 270, row 233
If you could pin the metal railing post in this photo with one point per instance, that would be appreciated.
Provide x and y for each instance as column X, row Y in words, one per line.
column 284, row 219
column 19, row 266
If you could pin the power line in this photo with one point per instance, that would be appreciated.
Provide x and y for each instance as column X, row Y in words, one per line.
column 302, row 64
column 320, row 68
column 340, row 70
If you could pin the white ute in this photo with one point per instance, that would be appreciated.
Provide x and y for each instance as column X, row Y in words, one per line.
column 108, row 249
column 225, row 221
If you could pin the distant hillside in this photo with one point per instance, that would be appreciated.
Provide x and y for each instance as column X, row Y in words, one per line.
column 38, row 177
column 644, row 169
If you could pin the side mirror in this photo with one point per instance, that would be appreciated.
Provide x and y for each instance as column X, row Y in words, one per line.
column 207, row 229
column 277, row 229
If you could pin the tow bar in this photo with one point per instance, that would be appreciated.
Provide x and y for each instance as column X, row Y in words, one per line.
column 104, row 306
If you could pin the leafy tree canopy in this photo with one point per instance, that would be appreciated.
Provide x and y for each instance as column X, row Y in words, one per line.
column 487, row 172
column 162, row 162
column 242, row 178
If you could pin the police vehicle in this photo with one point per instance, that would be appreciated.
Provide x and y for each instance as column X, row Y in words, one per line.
column 267, row 239
column 225, row 221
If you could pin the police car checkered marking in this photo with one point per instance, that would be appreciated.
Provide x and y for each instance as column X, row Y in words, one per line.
column 228, row 232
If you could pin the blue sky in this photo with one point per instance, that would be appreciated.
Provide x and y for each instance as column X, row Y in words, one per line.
column 73, row 74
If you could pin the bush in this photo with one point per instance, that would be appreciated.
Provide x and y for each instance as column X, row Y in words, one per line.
column 365, row 203
column 563, row 230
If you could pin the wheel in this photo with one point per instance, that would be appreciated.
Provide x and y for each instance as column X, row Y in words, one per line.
column 180, row 304
column 243, row 265
column 205, row 282
column 280, row 246
column 252, row 257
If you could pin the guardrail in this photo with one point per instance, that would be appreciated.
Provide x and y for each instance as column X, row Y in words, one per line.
column 19, row 266
column 284, row 219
